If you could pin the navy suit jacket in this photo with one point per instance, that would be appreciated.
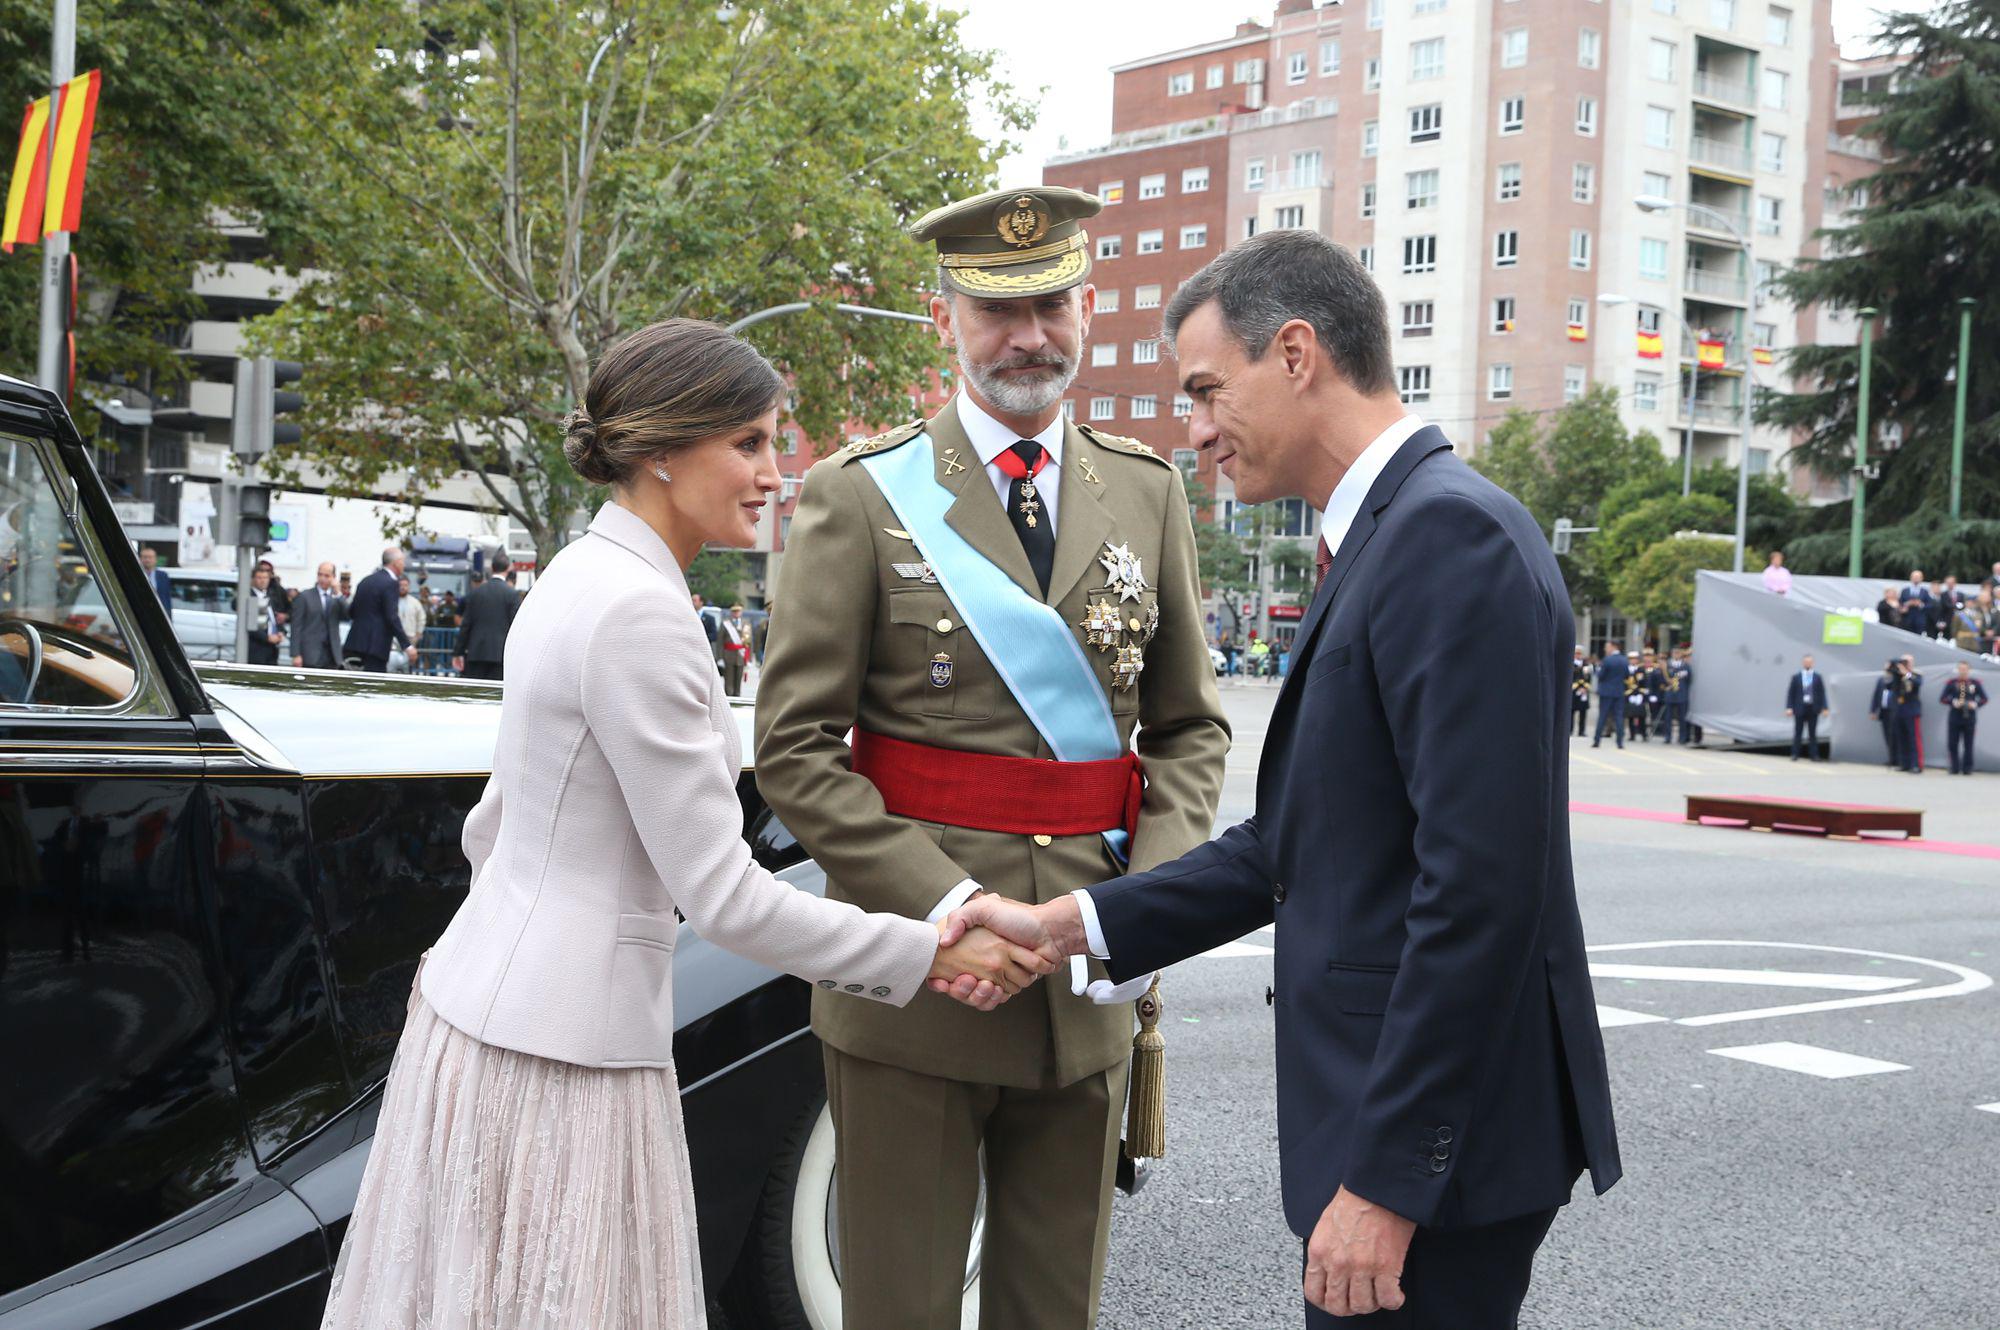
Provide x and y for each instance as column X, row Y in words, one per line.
column 1796, row 698
column 1612, row 672
column 372, row 619
column 1438, row 1046
column 163, row 587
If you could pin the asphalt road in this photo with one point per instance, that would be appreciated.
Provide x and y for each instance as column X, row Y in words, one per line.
column 1847, row 1177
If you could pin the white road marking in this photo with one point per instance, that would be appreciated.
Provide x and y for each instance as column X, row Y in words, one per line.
column 1229, row 949
column 1825, row 1063
column 1969, row 980
column 1608, row 1017
column 1988, row 1108
column 1853, row 983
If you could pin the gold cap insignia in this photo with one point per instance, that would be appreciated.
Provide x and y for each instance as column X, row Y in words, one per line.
column 1023, row 222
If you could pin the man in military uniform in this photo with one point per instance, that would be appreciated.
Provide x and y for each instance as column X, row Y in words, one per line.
column 975, row 595
column 1679, row 691
column 1964, row 695
column 1579, row 692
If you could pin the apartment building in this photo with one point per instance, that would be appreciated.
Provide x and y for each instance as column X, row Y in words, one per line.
column 1534, row 183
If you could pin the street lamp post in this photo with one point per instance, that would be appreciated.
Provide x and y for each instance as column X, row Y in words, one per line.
column 1687, row 414
column 1861, row 444
column 1965, row 304
column 1650, row 203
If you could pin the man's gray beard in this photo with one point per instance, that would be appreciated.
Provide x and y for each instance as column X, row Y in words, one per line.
column 1015, row 397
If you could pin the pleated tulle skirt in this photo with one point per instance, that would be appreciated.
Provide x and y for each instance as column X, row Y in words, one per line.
column 510, row 1192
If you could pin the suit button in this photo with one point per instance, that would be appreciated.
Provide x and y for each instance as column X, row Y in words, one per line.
column 944, row 625
column 1444, row 1135
column 882, row 991
column 1278, row 892
column 828, row 984
column 854, row 988
column 1437, row 1165
column 1045, row 841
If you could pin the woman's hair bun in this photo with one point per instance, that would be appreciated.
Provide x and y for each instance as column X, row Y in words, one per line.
column 580, row 446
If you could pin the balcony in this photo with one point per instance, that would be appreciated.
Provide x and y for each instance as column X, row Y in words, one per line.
column 1278, row 180
column 1150, row 137
column 1732, row 354
column 1855, row 145
column 1724, row 91
column 1730, row 157
column 1307, row 108
column 1716, row 221
column 1715, row 415
column 1718, row 285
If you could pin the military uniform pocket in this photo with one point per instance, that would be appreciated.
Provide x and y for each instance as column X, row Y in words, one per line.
column 945, row 675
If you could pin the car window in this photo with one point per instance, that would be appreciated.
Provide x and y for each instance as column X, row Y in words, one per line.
column 192, row 593
column 64, row 642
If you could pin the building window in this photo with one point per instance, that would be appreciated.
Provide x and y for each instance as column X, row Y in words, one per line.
column 1368, row 200
column 1179, row 85
column 1513, row 115
column 1586, row 116
column 1295, row 67
column 1427, row 59
column 1418, row 316
column 1506, row 248
column 1665, row 6
column 1253, row 174
column 1292, row 217
column 1183, row 408
column 1722, row 13
column 1420, row 254
column 1777, row 27
column 1427, row 7
column 1503, row 315
column 1194, row 180
column 1110, row 247
column 1069, row 413
column 1249, row 71
column 1214, row 76
column 1329, row 56
column 1513, row 48
column 1111, row 191
column 1305, row 169
column 1777, row 86
column 1426, row 123
column 1374, row 13
column 1107, row 300
column 1574, row 382
column 1145, row 407
column 1654, row 185
column 1764, row 334
column 1146, row 297
column 1367, row 256
column 1583, row 183
column 1659, row 127
column 1579, row 249
column 1660, row 60
column 1649, row 318
column 1103, row 408
column 1767, row 273
column 1194, row 237
column 1371, row 138
column 1420, row 189
column 1770, row 215
column 1499, row 382
column 1771, row 152
column 1152, row 187
column 1645, row 391
column 1413, row 383
column 1578, row 314
column 1509, row 185
column 1589, row 47
column 1104, row 353
column 1371, row 74
column 1152, row 242
column 1653, row 259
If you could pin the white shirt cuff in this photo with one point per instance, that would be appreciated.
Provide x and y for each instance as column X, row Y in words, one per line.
column 954, row 898
column 1093, row 932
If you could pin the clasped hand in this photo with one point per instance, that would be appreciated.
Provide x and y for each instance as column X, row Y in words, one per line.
column 986, row 956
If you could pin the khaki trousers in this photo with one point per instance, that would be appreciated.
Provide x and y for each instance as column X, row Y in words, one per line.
column 907, row 1151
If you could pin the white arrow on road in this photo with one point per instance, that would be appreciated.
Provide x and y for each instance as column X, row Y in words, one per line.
column 1966, row 980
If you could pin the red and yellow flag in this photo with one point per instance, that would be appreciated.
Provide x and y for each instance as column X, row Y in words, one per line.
column 45, row 194
column 1577, row 332
column 1761, row 354
column 1708, row 353
column 1649, row 345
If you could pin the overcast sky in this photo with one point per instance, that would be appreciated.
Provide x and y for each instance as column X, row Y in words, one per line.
column 1069, row 60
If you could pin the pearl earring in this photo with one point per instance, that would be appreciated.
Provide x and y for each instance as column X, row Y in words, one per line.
column 660, row 470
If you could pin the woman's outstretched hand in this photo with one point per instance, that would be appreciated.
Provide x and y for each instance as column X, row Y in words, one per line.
column 980, row 968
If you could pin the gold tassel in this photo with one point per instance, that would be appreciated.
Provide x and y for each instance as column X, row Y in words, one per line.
column 1146, row 1107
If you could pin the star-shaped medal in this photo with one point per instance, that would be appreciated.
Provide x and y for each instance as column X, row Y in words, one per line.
column 1122, row 570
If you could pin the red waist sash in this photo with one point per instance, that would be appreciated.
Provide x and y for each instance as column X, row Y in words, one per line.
column 1025, row 796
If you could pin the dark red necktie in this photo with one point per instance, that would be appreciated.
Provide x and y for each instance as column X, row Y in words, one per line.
column 1323, row 560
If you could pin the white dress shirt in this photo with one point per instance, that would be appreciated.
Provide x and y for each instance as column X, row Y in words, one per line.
column 990, row 438
column 1342, row 506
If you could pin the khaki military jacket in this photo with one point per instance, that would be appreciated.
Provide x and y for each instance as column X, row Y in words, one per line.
column 854, row 638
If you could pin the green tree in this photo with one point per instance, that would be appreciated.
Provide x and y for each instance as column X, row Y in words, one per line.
column 1927, row 233
column 1631, row 534
column 478, row 250
column 1226, row 556
column 717, row 576
column 1658, row 586
column 184, row 131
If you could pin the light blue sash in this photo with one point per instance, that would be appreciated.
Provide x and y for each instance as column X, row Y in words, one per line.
column 1036, row 653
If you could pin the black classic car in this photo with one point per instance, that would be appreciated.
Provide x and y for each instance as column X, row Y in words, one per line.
column 214, row 887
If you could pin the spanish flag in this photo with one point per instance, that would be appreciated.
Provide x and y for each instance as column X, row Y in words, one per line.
column 1708, row 353
column 1577, row 333
column 45, row 194
column 1761, row 354
column 1649, row 345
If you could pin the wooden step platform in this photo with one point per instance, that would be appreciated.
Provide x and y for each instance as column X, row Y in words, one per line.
column 1837, row 821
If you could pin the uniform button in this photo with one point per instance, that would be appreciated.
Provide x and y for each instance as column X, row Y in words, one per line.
column 828, row 984
column 1045, row 841
column 854, row 988
column 1135, row 624
column 944, row 625
column 1278, row 892
column 882, row 991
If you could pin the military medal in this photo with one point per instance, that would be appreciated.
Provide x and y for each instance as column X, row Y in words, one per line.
column 1152, row 627
column 1100, row 624
column 916, row 572
column 941, row 670
column 1030, row 504
column 1125, row 669
column 1123, row 573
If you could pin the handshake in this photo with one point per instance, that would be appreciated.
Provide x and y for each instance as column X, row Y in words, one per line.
column 990, row 948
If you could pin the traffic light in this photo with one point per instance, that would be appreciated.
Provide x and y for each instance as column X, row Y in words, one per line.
column 255, row 429
column 253, row 516
column 71, row 278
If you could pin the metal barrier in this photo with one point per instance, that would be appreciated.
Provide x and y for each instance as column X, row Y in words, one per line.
column 435, row 650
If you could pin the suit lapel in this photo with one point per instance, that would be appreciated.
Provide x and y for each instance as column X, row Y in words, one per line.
column 977, row 514
column 1083, row 522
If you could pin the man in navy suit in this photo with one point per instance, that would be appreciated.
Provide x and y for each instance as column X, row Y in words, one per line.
column 1805, row 703
column 373, row 622
column 1612, row 672
column 1910, row 716
column 163, row 586
column 1441, row 1078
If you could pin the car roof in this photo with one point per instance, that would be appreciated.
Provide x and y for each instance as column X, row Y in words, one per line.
column 200, row 574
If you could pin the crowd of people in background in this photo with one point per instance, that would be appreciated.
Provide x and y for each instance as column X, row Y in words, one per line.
column 1640, row 699
column 1968, row 619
